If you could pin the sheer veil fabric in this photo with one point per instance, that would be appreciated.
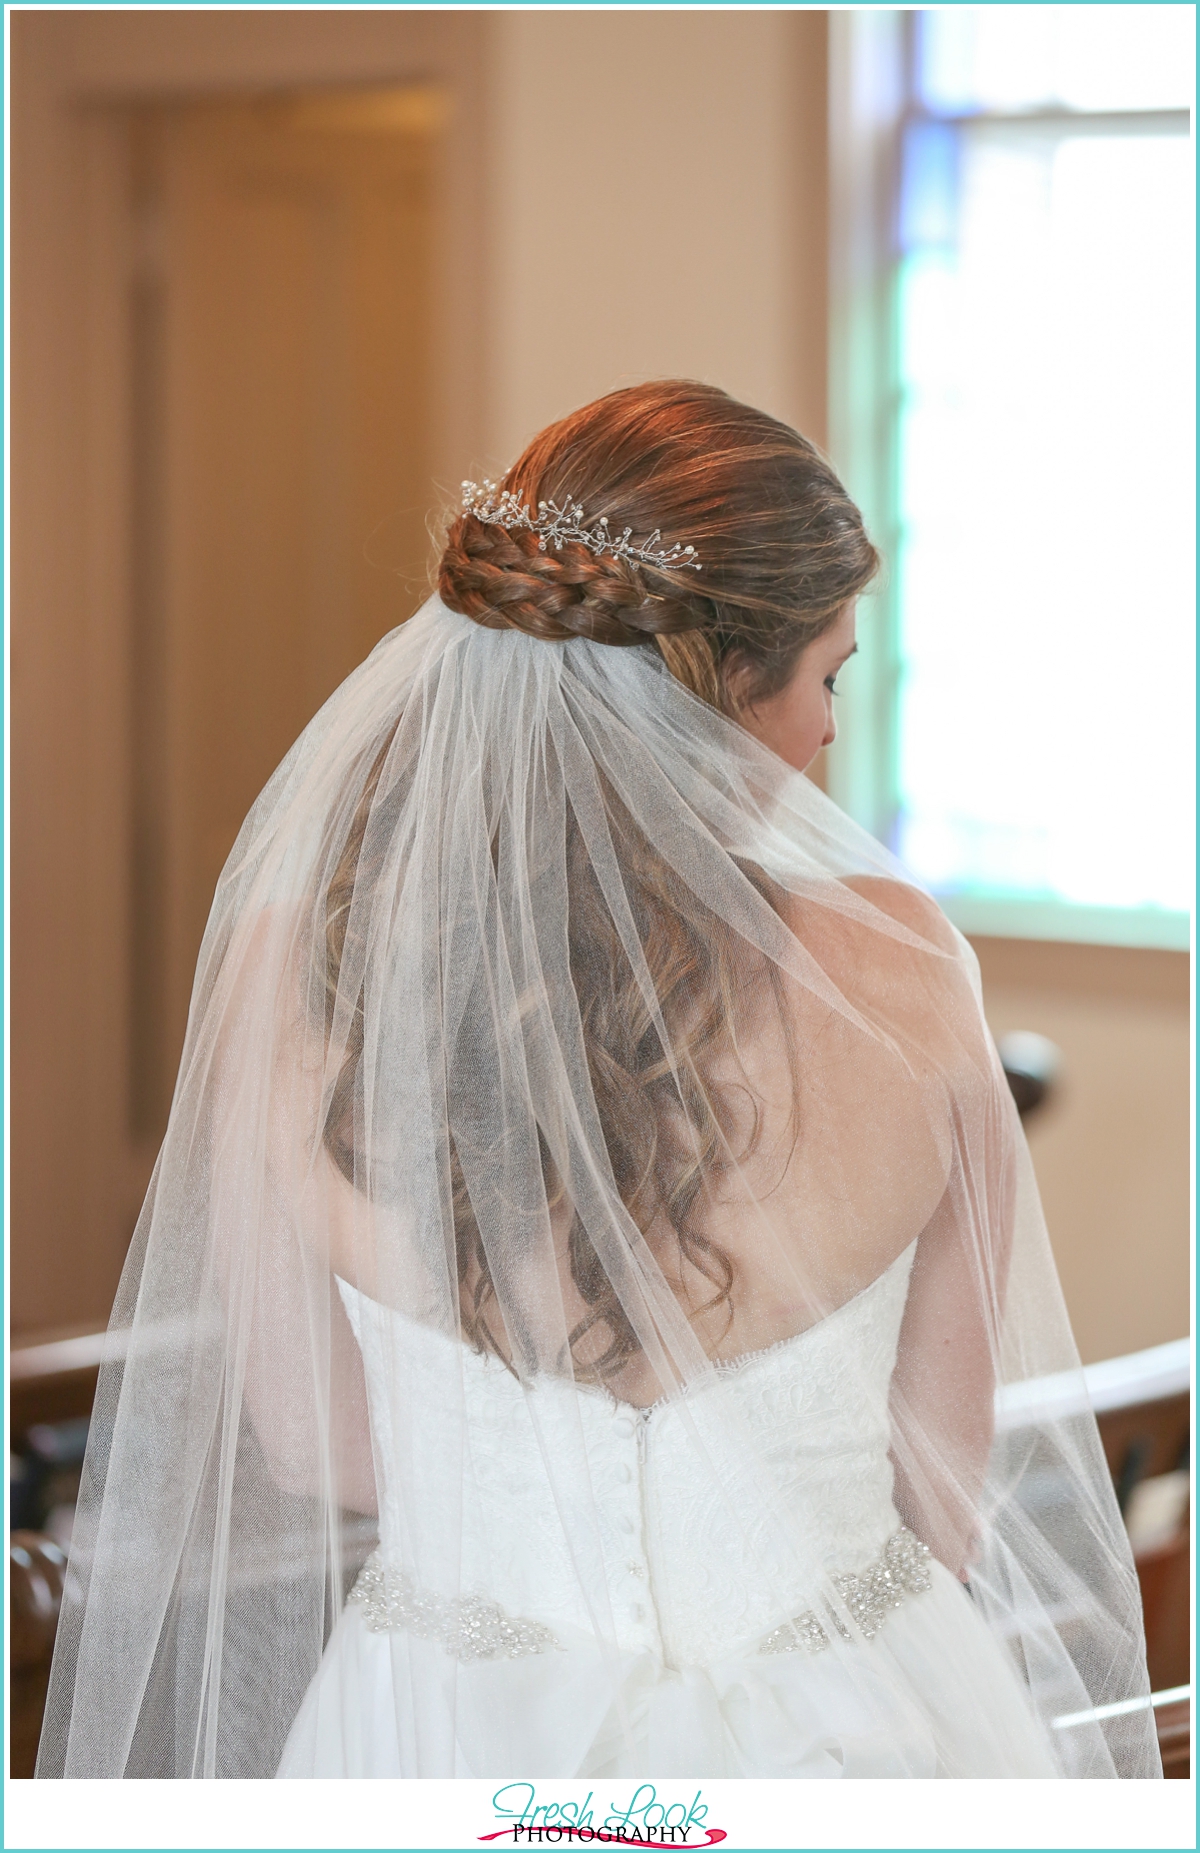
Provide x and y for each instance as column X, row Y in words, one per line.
column 398, row 1299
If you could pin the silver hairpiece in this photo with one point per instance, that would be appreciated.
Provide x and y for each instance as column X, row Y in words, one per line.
column 555, row 526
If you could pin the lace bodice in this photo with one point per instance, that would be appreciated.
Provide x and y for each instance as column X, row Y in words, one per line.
column 675, row 1570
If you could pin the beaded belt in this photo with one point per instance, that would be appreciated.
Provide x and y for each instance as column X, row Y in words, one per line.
column 472, row 1627
column 901, row 1570
column 468, row 1627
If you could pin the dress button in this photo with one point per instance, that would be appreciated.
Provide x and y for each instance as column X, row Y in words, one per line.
column 624, row 1425
column 635, row 1568
column 624, row 1474
column 628, row 1524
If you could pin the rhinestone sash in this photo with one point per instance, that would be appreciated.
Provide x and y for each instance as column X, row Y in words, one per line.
column 900, row 1571
column 468, row 1627
column 473, row 1628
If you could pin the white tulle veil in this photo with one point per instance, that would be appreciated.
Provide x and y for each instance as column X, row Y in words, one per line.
column 400, row 1075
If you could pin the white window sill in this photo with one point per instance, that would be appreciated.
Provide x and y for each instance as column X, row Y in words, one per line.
column 1014, row 918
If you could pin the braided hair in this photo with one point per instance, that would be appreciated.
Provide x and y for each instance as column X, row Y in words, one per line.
column 499, row 578
column 782, row 546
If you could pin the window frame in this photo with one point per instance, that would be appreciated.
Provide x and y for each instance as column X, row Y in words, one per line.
column 872, row 104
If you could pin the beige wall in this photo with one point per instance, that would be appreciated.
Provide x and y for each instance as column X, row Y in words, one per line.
column 656, row 208
column 626, row 194
column 1111, row 1148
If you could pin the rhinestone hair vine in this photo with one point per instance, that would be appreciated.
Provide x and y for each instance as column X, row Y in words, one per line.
column 555, row 526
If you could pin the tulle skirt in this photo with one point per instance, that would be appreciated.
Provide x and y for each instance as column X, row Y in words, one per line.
column 387, row 1704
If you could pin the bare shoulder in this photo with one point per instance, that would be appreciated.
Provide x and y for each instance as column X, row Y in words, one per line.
column 832, row 924
column 892, row 952
column 909, row 906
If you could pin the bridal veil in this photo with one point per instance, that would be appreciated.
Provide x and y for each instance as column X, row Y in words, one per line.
column 536, row 996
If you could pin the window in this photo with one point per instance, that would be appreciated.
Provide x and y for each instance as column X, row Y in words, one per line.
column 1014, row 396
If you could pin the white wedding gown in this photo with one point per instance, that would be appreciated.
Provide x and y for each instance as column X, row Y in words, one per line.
column 713, row 1679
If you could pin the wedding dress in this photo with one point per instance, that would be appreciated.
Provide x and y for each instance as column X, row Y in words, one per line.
column 713, row 1681
column 593, row 1308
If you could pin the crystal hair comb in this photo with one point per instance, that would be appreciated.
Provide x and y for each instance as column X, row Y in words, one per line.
column 555, row 526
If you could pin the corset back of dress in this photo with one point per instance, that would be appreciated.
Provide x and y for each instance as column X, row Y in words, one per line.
column 682, row 1566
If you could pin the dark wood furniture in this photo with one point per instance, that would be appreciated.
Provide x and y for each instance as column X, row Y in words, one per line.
column 1175, row 1738
column 1141, row 1441
column 36, row 1568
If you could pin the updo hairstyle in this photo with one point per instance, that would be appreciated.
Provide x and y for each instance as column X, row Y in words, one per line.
column 782, row 546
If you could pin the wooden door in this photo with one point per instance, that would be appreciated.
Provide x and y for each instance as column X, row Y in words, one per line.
column 281, row 474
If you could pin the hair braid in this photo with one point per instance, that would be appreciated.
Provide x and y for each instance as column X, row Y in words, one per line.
column 781, row 546
column 500, row 579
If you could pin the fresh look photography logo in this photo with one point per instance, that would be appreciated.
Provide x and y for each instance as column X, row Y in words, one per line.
column 648, row 1819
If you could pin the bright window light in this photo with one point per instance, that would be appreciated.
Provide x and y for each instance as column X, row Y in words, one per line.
column 1044, row 488
column 1008, row 58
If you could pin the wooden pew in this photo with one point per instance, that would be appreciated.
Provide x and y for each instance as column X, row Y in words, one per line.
column 1142, row 1406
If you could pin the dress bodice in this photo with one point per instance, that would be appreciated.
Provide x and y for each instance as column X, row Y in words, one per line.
column 708, row 1515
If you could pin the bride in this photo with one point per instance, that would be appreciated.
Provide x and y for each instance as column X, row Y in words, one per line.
column 592, row 1315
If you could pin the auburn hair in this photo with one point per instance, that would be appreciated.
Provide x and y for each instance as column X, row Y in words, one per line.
column 783, row 549
column 781, row 545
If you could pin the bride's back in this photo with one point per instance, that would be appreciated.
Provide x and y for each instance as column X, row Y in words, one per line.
column 777, row 1151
